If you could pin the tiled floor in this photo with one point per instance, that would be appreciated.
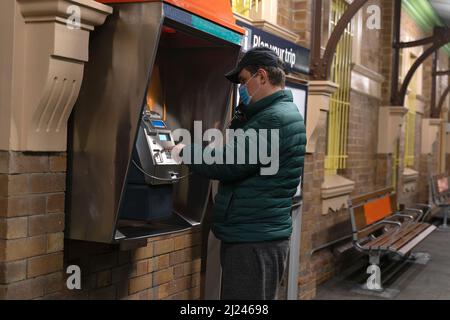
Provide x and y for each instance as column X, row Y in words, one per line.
column 412, row 281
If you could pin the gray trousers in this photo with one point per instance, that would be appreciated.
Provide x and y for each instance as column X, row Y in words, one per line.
column 253, row 271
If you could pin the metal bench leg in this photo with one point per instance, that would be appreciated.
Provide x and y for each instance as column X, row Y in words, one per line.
column 445, row 225
column 374, row 259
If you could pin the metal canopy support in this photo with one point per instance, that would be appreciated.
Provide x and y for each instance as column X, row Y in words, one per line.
column 434, row 84
column 436, row 109
column 443, row 73
column 440, row 38
column 321, row 66
column 441, row 101
column 396, row 48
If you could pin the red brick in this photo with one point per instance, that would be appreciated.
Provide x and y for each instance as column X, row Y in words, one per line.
column 54, row 283
column 24, row 206
column 58, row 163
column 140, row 283
column 143, row 253
column 22, row 248
column 178, row 271
column 196, row 279
column 162, row 262
column 192, row 266
column 18, row 184
column 179, row 285
column 27, row 163
column 13, row 228
column 55, row 242
column 140, row 267
column 49, row 223
column 4, row 185
column 151, row 265
column 47, row 182
column 4, row 162
column 13, row 271
column 3, row 206
column 163, row 246
column 44, row 264
column 56, row 202
column 178, row 257
column 180, row 242
column 162, row 276
column 162, row 291
column 184, row 295
column 25, row 290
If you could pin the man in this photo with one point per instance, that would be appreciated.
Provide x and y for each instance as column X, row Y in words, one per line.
column 252, row 210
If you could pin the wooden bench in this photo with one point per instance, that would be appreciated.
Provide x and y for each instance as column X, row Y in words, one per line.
column 440, row 196
column 379, row 228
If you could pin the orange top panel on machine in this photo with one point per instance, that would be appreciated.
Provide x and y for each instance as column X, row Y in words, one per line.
column 218, row 11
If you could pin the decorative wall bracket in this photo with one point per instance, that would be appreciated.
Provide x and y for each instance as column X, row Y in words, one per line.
column 390, row 120
column 336, row 192
column 319, row 94
column 410, row 179
column 46, row 52
column 447, row 137
column 430, row 134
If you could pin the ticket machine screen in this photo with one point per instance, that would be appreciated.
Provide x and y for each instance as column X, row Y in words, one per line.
column 158, row 123
column 164, row 137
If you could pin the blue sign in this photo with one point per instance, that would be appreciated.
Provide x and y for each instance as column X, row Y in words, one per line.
column 295, row 57
column 201, row 24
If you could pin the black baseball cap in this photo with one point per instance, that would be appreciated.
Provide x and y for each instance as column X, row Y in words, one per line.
column 259, row 56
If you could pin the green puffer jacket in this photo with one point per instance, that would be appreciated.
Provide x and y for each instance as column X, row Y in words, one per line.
column 250, row 206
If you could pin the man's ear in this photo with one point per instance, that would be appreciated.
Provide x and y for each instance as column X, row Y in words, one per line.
column 264, row 76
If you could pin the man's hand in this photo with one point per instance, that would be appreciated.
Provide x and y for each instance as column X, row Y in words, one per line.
column 175, row 151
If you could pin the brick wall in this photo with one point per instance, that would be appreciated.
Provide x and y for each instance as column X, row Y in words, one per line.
column 386, row 51
column 311, row 216
column 369, row 170
column 301, row 20
column 31, row 224
column 34, row 255
column 167, row 268
column 285, row 14
column 371, row 41
column 362, row 164
column 424, row 164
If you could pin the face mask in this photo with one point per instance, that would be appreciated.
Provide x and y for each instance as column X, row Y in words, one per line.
column 245, row 97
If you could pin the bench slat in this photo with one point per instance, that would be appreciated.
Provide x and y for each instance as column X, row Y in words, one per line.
column 403, row 251
column 389, row 240
column 375, row 243
column 388, row 237
column 407, row 237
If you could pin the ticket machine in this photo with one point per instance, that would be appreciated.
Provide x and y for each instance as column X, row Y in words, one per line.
column 154, row 67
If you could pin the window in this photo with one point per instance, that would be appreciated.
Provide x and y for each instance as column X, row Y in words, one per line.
column 257, row 9
column 336, row 157
column 411, row 101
